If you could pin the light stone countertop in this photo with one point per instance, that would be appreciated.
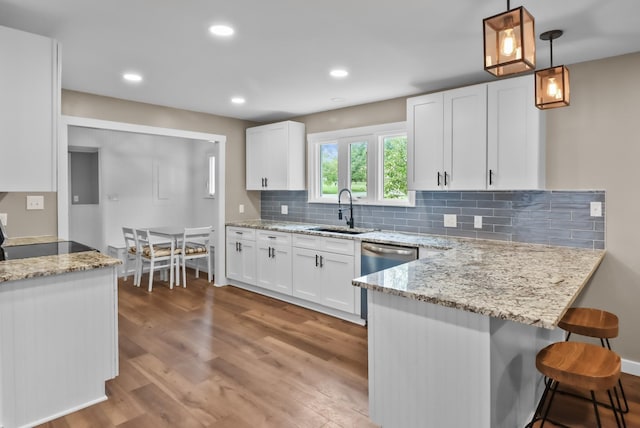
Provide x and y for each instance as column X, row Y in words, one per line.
column 14, row 270
column 527, row 283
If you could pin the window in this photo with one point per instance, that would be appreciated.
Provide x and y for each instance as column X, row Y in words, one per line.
column 211, row 179
column 370, row 161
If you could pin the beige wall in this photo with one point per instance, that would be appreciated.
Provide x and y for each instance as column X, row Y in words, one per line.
column 21, row 222
column 105, row 108
column 595, row 144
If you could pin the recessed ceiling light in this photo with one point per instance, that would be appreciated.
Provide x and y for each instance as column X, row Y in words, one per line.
column 338, row 72
column 338, row 100
column 221, row 30
column 132, row 77
column 238, row 100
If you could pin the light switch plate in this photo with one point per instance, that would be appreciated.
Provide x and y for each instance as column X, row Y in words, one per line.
column 35, row 202
column 450, row 220
column 477, row 221
column 596, row 209
column 284, row 209
column 241, row 208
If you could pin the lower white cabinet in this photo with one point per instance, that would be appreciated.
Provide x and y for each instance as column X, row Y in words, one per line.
column 324, row 278
column 322, row 271
column 309, row 270
column 274, row 261
column 241, row 254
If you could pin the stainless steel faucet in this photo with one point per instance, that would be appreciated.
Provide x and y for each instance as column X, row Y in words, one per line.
column 350, row 219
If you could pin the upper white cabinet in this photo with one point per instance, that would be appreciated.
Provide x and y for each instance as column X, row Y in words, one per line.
column 447, row 135
column 276, row 156
column 29, row 111
column 487, row 136
column 515, row 135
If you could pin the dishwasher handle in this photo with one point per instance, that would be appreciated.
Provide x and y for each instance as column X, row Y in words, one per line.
column 387, row 250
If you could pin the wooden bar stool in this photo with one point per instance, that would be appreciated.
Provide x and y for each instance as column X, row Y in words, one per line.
column 595, row 323
column 579, row 365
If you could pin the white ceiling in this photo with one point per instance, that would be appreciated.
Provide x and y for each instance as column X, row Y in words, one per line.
column 281, row 54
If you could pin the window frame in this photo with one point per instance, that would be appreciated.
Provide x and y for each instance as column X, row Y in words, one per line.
column 374, row 137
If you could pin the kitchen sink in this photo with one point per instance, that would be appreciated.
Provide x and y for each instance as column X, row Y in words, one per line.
column 344, row 230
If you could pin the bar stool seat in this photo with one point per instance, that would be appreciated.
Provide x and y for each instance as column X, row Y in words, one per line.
column 579, row 365
column 590, row 322
column 597, row 323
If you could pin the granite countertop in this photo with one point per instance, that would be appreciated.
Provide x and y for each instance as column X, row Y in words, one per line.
column 14, row 270
column 526, row 283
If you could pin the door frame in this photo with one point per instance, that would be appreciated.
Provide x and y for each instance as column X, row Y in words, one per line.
column 63, row 178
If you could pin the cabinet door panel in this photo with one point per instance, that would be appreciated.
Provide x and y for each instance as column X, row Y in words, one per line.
column 306, row 274
column 465, row 137
column 425, row 138
column 29, row 109
column 248, row 255
column 515, row 137
column 337, row 273
column 274, row 268
column 234, row 261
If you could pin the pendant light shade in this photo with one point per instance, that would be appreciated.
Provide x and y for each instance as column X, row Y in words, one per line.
column 552, row 84
column 509, row 42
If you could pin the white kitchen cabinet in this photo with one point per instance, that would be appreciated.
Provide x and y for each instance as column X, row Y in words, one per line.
column 425, row 132
column 447, row 140
column 29, row 111
column 323, row 276
column 274, row 261
column 241, row 254
column 275, row 156
column 515, row 135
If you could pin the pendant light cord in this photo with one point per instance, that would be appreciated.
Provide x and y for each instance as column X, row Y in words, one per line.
column 551, row 51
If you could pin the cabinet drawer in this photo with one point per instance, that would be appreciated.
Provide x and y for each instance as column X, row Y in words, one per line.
column 321, row 243
column 241, row 233
column 274, row 238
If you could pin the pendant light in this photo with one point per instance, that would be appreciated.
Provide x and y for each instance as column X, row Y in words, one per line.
column 552, row 84
column 509, row 42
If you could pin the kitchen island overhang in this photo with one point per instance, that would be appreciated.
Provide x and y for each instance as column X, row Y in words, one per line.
column 453, row 338
column 58, row 334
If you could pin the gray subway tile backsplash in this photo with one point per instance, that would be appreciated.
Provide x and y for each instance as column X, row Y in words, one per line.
column 537, row 216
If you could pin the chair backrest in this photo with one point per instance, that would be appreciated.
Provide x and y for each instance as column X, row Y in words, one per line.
column 199, row 236
column 143, row 242
column 129, row 238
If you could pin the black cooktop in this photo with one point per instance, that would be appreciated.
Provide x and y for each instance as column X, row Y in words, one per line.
column 15, row 252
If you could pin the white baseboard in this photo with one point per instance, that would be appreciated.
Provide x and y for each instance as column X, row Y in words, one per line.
column 66, row 411
column 631, row 367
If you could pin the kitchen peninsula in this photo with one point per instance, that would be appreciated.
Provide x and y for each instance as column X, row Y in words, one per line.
column 453, row 339
column 58, row 332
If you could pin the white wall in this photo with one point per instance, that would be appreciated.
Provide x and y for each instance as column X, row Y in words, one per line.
column 145, row 181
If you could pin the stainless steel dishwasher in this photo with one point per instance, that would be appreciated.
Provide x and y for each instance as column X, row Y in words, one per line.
column 376, row 257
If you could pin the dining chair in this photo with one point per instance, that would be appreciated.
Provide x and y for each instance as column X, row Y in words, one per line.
column 195, row 245
column 131, row 253
column 159, row 256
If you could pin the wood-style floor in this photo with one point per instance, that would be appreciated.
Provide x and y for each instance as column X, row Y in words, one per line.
column 227, row 358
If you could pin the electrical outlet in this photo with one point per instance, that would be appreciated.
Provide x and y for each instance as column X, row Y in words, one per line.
column 477, row 221
column 241, row 208
column 3, row 218
column 596, row 209
column 284, row 209
column 35, row 202
column 450, row 220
